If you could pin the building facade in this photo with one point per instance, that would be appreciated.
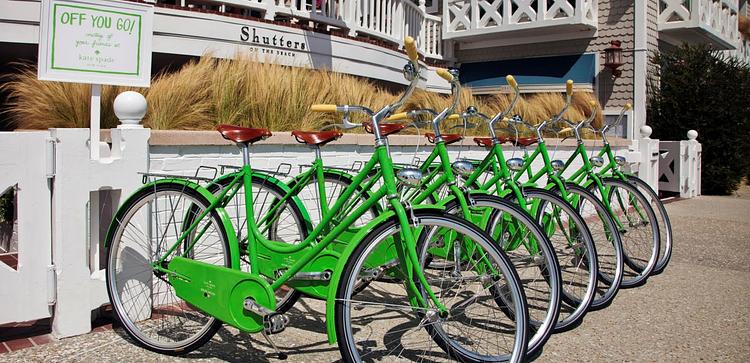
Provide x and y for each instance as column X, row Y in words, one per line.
column 542, row 43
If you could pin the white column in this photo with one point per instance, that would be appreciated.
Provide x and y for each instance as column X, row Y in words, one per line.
column 640, row 60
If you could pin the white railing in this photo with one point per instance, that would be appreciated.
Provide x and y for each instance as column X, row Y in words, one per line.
column 390, row 20
column 462, row 18
column 743, row 50
column 717, row 18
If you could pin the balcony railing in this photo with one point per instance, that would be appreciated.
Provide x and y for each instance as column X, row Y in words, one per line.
column 389, row 20
column 743, row 50
column 699, row 21
column 467, row 18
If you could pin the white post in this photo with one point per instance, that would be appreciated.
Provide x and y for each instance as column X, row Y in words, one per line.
column 94, row 127
column 690, row 170
column 80, row 287
column 648, row 169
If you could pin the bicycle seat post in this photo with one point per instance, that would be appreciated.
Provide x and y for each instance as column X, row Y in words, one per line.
column 245, row 148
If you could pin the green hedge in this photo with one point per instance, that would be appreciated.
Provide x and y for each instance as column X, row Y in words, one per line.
column 693, row 87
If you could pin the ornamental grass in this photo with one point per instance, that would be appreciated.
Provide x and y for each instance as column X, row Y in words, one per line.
column 249, row 92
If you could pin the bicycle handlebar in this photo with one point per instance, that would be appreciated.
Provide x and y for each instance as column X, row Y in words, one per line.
column 411, row 49
column 444, row 74
column 411, row 73
column 324, row 108
column 625, row 108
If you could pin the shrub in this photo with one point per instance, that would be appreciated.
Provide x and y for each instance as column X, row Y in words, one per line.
column 704, row 90
column 247, row 92
column 7, row 205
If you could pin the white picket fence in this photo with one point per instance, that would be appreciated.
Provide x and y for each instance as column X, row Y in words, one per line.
column 680, row 166
column 390, row 20
column 64, row 203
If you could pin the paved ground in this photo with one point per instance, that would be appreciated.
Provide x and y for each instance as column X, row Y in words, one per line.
column 698, row 310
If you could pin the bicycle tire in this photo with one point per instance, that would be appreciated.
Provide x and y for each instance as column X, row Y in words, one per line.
column 539, row 329
column 635, row 274
column 579, row 304
column 665, row 226
column 115, row 289
column 436, row 331
column 608, row 246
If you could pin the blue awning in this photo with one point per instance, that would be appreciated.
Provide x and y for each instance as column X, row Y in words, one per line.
column 531, row 71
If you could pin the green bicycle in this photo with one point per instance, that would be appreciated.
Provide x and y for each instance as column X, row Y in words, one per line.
column 174, row 273
column 635, row 221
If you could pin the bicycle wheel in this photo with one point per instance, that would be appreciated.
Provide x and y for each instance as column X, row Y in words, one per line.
column 277, row 222
column 380, row 323
column 575, row 250
column 532, row 255
column 142, row 297
column 638, row 228
column 665, row 226
column 607, row 240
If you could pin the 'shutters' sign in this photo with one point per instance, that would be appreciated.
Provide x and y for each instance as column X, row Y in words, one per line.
column 96, row 41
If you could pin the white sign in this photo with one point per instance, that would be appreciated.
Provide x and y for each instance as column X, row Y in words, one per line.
column 96, row 42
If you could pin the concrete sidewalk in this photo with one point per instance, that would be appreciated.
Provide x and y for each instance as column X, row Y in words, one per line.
column 698, row 309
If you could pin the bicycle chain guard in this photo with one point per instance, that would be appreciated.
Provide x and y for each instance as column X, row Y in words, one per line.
column 221, row 292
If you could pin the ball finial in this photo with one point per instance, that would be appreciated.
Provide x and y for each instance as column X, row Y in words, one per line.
column 130, row 108
column 646, row 131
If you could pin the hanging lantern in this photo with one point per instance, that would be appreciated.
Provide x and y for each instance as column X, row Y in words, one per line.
column 613, row 57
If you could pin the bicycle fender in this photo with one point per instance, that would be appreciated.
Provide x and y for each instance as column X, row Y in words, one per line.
column 346, row 254
column 225, row 221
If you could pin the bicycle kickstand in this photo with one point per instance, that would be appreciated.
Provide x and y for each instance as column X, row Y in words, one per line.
column 278, row 353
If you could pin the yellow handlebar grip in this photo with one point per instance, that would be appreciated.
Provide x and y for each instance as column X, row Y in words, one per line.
column 628, row 107
column 454, row 116
column 323, row 108
column 567, row 129
column 411, row 48
column 511, row 81
column 442, row 72
column 398, row 116
column 569, row 87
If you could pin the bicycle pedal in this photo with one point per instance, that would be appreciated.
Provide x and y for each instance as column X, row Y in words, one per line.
column 275, row 323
